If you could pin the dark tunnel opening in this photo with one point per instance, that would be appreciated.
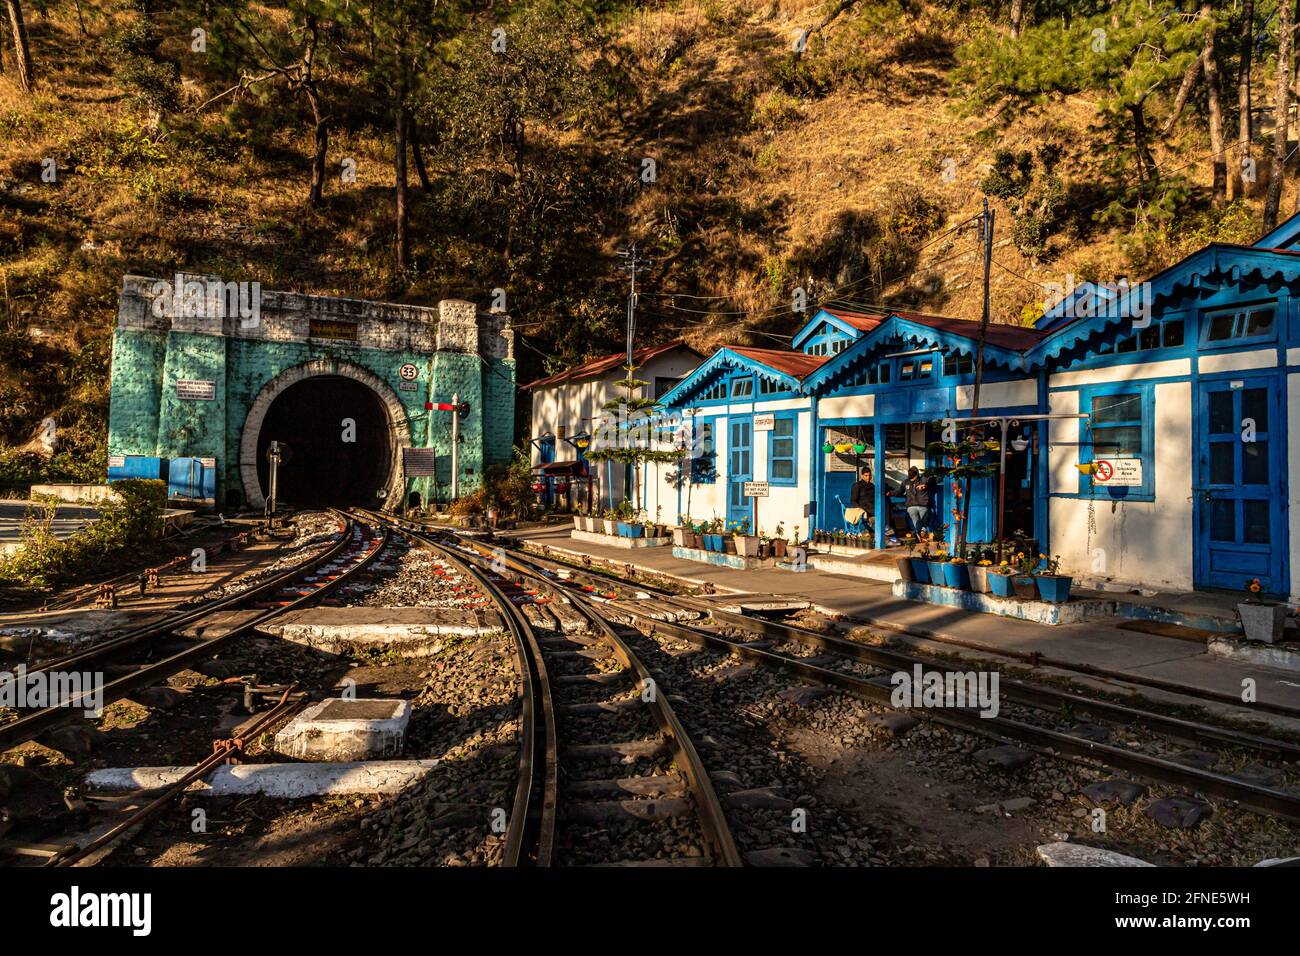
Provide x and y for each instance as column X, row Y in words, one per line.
column 322, row 468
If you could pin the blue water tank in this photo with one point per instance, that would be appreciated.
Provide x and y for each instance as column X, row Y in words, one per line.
column 192, row 483
column 135, row 466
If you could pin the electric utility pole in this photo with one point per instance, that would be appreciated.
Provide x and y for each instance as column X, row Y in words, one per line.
column 633, row 263
column 986, row 237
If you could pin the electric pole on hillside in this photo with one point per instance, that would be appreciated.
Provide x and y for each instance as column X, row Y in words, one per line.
column 986, row 237
column 634, row 263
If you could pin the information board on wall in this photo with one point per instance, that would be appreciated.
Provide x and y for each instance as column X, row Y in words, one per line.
column 420, row 462
column 1126, row 472
column 764, row 423
column 196, row 390
column 332, row 329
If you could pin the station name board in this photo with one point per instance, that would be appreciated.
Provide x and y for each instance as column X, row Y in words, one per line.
column 332, row 329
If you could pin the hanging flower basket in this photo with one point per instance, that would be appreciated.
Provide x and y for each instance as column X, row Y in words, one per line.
column 859, row 448
column 828, row 447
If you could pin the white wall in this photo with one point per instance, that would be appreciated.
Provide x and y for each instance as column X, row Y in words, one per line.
column 1143, row 543
column 575, row 407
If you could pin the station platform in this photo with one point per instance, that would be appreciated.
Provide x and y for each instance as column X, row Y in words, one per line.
column 1116, row 645
column 68, row 520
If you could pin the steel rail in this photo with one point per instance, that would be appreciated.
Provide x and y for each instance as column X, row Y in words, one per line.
column 713, row 821
column 1050, row 742
column 180, row 619
column 530, row 832
column 1238, row 738
column 37, row 722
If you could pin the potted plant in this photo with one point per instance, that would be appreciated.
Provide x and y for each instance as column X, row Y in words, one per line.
column 659, row 527
column 1261, row 620
column 746, row 544
column 935, row 561
column 921, row 560
column 1052, row 586
column 577, row 521
column 682, row 533
column 779, row 542
column 1023, row 566
column 955, row 573
column 904, row 565
column 979, row 575
column 999, row 579
column 610, row 522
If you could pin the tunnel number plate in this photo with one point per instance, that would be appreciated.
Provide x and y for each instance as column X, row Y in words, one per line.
column 408, row 372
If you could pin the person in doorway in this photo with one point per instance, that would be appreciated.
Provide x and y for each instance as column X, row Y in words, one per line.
column 862, row 497
column 915, row 492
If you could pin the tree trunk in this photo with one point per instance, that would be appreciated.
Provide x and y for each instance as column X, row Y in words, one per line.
column 418, row 155
column 1240, row 187
column 1184, row 91
column 1282, row 105
column 321, row 137
column 1219, row 192
column 1141, row 137
column 399, row 167
column 1017, row 13
column 22, row 53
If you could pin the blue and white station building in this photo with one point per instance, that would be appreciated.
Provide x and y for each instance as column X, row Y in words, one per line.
column 1151, row 428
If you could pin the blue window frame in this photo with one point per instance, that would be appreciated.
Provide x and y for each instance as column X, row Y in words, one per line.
column 1120, row 424
column 742, row 386
column 782, row 450
column 704, row 452
column 715, row 392
column 768, row 387
column 1228, row 328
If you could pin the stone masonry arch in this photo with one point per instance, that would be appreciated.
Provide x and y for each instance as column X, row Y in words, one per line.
column 398, row 427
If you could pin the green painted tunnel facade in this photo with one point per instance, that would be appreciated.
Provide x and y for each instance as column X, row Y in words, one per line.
column 198, row 363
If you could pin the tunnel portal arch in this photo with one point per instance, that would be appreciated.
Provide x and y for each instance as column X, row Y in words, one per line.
column 398, row 424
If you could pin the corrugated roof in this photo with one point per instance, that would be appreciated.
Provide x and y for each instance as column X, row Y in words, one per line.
column 783, row 360
column 1017, row 337
column 862, row 321
column 607, row 363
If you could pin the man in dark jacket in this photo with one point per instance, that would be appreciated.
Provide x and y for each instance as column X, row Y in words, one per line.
column 863, row 496
column 915, row 492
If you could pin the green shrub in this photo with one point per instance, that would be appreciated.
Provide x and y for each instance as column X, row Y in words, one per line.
column 129, row 524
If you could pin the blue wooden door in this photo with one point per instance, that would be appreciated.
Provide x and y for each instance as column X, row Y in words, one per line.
column 740, row 469
column 1240, row 485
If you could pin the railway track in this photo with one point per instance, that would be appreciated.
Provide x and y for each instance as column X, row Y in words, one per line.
column 586, row 699
column 294, row 588
column 1038, row 725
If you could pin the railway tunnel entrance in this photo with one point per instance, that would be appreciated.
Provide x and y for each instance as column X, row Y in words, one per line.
column 339, row 443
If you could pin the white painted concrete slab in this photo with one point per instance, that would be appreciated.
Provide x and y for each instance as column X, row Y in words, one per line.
column 283, row 780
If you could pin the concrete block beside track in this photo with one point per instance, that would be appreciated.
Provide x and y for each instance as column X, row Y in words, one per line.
column 282, row 780
column 409, row 631
column 340, row 729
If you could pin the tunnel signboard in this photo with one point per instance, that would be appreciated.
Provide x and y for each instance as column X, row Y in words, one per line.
column 196, row 390
column 408, row 372
column 420, row 462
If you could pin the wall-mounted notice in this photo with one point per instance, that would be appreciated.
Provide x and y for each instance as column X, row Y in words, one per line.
column 764, row 423
column 196, row 390
column 1118, row 471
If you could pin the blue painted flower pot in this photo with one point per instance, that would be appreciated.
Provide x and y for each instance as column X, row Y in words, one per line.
column 920, row 570
column 936, row 572
column 1000, row 585
column 715, row 542
column 629, row 530
column 1054, row 587
column 956, row 576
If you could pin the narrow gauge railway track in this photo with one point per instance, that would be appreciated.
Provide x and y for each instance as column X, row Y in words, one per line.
column 877, row 689
column 558, row 675
column 355, row 549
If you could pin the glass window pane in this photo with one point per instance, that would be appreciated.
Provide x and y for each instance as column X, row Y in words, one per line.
column 1117, row 408
column 926, row 367
column 1254, row 405
column 783, row 448
column 1222, row 418
column 1222, row 464
column 1127, row 345
column 1149, row 338
column 783, row 426
column 1123, row 441
column 1254, row 463
column 1259, row 321
column 1255, row 524
column 1173, row 334
column 783, row 469
column 1223, row 520
column 884, row 373
column 1220, row 327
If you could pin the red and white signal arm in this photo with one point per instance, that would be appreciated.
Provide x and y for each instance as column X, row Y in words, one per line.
column 1118, row 472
